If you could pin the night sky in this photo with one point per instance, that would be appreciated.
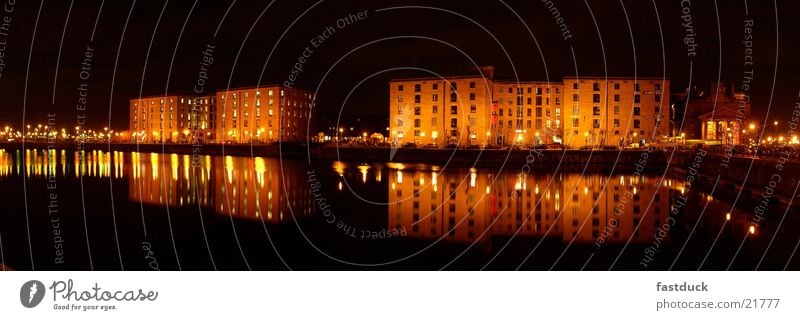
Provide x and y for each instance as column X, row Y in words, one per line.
column 150, row 48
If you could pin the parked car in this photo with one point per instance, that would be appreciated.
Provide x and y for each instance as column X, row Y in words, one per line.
column 429, row 146
column 409, row 145
column 586, row 148
column 473, row 146
column 452, row 146
column 493, row 147
column 610, row 147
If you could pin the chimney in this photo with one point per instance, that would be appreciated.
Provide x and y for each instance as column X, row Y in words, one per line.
column 487, row 71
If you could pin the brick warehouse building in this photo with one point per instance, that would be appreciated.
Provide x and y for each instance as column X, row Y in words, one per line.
column 479, row 110
column 441, row 111
column 263, row 114
column 615, row 111
column 172, row 119
column 238, row 115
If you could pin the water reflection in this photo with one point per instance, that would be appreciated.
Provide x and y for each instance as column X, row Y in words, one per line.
column 242, row 187
column 476, row 206
column 460, row 206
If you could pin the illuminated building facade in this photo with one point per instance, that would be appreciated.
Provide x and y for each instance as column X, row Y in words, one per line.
column 715, row 115
column 441, row 111
column 479, row 110
column 600, row 111
column 527, row 113
column 263, row 114
column 172, row 119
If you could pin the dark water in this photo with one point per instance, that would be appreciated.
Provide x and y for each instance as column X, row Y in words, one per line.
column 142, row 211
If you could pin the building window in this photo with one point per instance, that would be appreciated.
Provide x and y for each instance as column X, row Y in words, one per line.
column 473, row 108
column 538, row 100
column 575, row 97
column 616, row 86
column 538, row 124
column 596, row 123
column 637, row 111
column 596, row 86
column 530, row 101
column 435, row 86
column 636, row 98
column 453, row 97
column 529, row 112
column 417, row 110
column 434, row 122
column 575, row 86
column 616, row 98
column 417, row 123
column 399, row 88
column 417, row 88
column 399, row 122
column 435, row 109
column 575, row 122
column 636, row 123
column 417, row 133
column 453, row 123
column 636, row 87
column 472, row 85
column 538, row 112
column 616, row 123
column 417, row 98
column 434, row 97
column 595, row 111
column 472, row 121
column 657, row 98
column 501, row 112
column 472, row 97
column 399, row 110
column 529, row 124
column 453, row 109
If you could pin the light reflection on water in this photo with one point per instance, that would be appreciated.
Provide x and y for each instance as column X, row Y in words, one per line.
column 456, row 206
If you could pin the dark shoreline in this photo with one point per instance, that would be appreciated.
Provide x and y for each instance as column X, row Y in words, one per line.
column 570, row 160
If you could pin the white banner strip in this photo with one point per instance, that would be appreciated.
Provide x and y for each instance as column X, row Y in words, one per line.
column 398, row 295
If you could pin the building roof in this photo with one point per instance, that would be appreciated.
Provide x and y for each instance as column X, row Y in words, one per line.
column 614, row 78
column 512, row 81
column 265, row 86
column 477, row 76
